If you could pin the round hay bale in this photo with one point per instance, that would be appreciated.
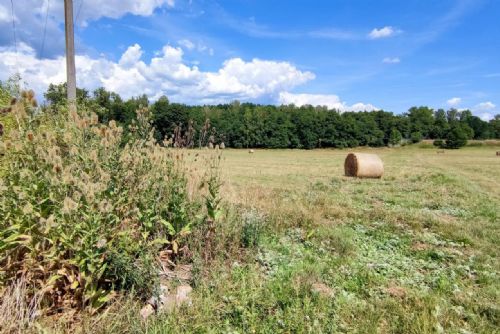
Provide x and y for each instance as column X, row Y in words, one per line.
column 363, row 165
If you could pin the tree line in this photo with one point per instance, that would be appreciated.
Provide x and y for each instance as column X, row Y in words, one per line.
column 248, row 125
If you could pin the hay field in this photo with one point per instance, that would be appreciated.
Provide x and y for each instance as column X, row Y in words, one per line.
column 302, row 249
column 416, row 251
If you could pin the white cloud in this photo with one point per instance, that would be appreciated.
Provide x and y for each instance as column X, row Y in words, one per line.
column 485, row 106
column 328, row 100
column 95, row 9
column 454, row 101
column 486, row 116
column 5, row 15
column 485, row 110
column 32, row 21
column 187, row 44
column 131, row 56
column 383, row 32
column 389, row 60
column 166, row 74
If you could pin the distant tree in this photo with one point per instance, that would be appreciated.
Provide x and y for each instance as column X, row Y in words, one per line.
column 416, row 137
column 167, row 116
column 421, row 120
column 441, row 125
column 395, row 137
column 456, row 136
column 480, row 128
column 56, row 95
column 452, row 115
column 495, row 127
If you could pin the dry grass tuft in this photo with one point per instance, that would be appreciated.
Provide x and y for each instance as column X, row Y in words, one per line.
column 18, row 309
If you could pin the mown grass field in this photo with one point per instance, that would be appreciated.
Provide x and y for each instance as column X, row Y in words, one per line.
column 303, row 249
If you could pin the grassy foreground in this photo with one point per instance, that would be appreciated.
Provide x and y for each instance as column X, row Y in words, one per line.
column 303, row 249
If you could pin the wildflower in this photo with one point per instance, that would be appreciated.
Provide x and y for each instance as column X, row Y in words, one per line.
column 2, row 186
column 77, row 196
column 105, row 206
column 94, row 119
column 101, row 243
column 93, row 156
column 67, row 137
column 30, row 136
column 57, row 168
column 69, row 205
column 27, row 209
column 73, row 150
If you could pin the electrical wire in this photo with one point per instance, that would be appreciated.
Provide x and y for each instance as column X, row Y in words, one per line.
column 45, row 29
column 13, row 24
column 78, row 11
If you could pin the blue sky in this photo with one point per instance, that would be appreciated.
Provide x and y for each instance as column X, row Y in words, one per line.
column 345, row 54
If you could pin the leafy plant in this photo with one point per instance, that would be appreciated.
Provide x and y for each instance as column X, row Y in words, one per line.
column 83, row 215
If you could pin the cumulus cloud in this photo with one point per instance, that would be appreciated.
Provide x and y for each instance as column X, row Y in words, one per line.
column 485, row 106
column 454, row 101
column 330, row 101
column 5, row 15
column 383, row 32
column 486, row 116
column 165, row 74
column 389, row 60
column 485, row 110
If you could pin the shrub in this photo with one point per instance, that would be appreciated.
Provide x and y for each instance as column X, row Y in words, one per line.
column 456, row 137
column 395, row 137
column 438, row 143
column 252, row 228
column 416, row 137
column 83, row 215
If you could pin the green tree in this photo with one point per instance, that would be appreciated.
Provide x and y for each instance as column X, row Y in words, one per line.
column 456, row 136
column 56, row 95
column 441, row 126
column 416, row 137
column 395, row 137
column 495, row 127
column 421, row 120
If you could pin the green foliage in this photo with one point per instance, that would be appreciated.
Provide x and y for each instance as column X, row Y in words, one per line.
column 457, row 136
column 439, row 143
column 416, row 137
column 267, row 126
column 395, row 137
column 82, row 215
column 56, row 96
column 252, row 229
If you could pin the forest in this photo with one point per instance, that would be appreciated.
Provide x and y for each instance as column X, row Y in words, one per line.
column 248, row 125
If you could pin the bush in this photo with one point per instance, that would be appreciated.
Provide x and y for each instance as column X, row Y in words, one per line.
column 395, row 137
column 83, row 215
column 456, row 137
column 252, row 228
column 438, row 143
column 416, row 137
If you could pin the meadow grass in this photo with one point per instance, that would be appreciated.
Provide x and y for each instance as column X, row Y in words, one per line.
column 303, row 249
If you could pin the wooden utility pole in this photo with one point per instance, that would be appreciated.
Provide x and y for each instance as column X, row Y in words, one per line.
column 70, row 54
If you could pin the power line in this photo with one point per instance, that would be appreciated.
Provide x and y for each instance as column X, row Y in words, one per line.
column 45, row 29
column 78, row 11
column 13, row 24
